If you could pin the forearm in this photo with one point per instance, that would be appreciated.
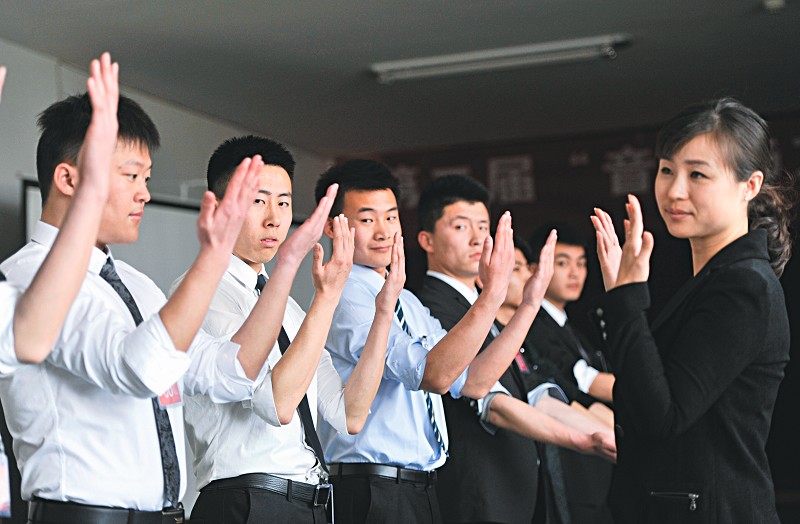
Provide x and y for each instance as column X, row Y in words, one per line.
column 576, row 418
column 487, row 367
column 363, row 383
column 454, row 352
column 514, row 415
column 183, row 314
column 602, row 387
column 292, row 375
column 259, row 332
column 41, row 310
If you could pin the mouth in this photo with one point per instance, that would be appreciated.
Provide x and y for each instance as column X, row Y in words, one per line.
column 475, row 256
column 269, row 241
column 676, row 214
column 136, row 216
column 382, row 249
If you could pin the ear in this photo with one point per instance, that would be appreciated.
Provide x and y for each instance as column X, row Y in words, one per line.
column 328, row 229
column 425, row 240
column 65, row 178
column 753, row 185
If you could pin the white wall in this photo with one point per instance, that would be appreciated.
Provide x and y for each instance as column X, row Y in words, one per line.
column 188, row 138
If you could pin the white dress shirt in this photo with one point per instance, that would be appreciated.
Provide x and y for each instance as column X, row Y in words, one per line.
column 584, row 373
column 82, row 421
column 8, row 300
column 232, row 439
column 398, row 431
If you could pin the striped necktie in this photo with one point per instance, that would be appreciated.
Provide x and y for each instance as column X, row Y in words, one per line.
column 398, row 311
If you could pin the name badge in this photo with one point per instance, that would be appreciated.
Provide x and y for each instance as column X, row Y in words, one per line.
column 521, row 364
column 170, row 398
column 5, row 486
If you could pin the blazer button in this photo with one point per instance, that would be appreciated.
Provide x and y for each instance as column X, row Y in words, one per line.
column 602, row 323
column 599, row 312
column 619, row 431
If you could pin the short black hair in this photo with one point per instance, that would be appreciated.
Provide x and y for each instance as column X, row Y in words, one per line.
column 229, row 155
column 356, row 175
column 63, row 126
column 525, row 248
column 446, row 190
column 567, row 234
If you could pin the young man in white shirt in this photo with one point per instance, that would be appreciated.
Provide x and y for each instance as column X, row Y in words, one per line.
column 97, row 425
column 258, row 461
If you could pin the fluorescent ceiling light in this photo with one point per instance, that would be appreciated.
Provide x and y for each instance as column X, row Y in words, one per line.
column 501, row 58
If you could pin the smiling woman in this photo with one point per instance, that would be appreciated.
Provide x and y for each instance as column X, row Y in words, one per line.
column 695, row 389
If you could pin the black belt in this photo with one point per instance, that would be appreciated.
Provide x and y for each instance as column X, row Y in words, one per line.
column 316, row 495
column 43, row 511
column 348, row 469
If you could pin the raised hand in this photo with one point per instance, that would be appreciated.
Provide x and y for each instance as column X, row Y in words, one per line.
column 2, row 80
column 536, row 286
column 395, row 280
column 329, row 278
column 94, row 158
column 609, row 251
column 497, row 261
column 635, row 263
column 218, row 226
column 307, row 235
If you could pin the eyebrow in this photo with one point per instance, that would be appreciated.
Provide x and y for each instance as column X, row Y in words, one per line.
column 463, row 217
column 373, row 210
column 268, row 192
column 133, row 162
column 696, row 162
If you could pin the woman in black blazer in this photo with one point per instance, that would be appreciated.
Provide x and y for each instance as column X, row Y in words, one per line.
column 695, row 389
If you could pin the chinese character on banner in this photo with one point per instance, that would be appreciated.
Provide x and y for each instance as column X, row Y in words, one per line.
column 437, row 172
column 630, row 169
column 511, row 179
column 409, row 185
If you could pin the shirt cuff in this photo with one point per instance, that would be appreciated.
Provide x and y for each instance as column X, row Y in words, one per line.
column 8, row 355
column 546, row 389
column 153, row 357
column 584, row 374
column 458, row 385
column 484, row 406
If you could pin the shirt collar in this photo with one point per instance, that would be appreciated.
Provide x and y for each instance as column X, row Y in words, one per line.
column 243, row 273
column 368, row 275
column 558, row 315
column 471, row 294
column 45, row 235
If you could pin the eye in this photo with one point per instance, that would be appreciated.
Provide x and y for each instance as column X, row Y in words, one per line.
column 697, row 174
column 147, row 180
column 132, row 176
column 665, row 170
column 561, row 263
column 483, row 228
column 258, row 201
column 284, row 204
column 391, row 218
column 459, row 227
column 366, row 221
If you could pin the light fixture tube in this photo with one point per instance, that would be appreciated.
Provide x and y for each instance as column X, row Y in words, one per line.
column 501, row 58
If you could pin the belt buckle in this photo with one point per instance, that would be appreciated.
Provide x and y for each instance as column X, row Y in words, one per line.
column 173, row 515
column 322, row 494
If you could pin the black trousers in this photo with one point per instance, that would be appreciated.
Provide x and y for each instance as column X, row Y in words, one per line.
column 377, row 500
column 253, row 506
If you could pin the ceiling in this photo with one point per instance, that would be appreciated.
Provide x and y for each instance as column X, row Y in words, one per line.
column 298, row 70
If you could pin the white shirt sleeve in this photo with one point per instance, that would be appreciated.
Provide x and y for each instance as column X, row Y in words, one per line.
column 215, row 370
column 8, row 356
column 584, row 374
column 330, row 394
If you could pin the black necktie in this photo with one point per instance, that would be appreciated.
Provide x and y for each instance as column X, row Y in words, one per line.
column 166, row 441
column 577, row 343
column 401, row 317
column 303, row 409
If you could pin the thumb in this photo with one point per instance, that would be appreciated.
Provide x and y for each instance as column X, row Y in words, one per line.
column 318, row 254
column 647, row 245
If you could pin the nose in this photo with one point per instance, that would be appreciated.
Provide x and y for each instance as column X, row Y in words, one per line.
column 677, row 187
column 143, row 194
column 381, row 231
column 271, row 216
column 478, row 235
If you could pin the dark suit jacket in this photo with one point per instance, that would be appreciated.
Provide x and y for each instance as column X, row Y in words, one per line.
column 695, row 392
column 486, row 478
column 587, row 479
column 555, row 350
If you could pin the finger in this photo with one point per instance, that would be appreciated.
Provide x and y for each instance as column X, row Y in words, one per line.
column 635, row 215
column 234, row 190
column 486, row 253
column 2, row 80
column 318, row 254
column 337, row 236
column 647, row 245
column 207, row 205
column 323, row 209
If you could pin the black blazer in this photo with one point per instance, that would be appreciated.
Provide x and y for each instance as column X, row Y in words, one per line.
column 555, row 350
column 694, row 392
column 486, row 478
